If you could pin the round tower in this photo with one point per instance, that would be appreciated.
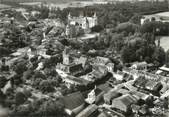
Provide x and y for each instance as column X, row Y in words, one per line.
column 69, row 16
column 85, row 23
column 95, row 19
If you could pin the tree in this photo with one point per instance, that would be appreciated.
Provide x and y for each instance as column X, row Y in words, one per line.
column 44, row 12
column 20, row 98
column 116, row 41
column 97, row 28
column 39, row 74
column 128, row 55
column 27, row 74
column 167, row 58
column 165, row 105
column 27, row 92
column 46, row 86
column 20, row 66
column 159, row 56
column 128, row 27
column 3, row 81
column 50, row 71
column 36, row 82
column 2, row 98
column 16, row 79
column 36, row 104
column 22, row 111
column 4, row 51
column 54, row 82
column 51, row 108
column 136, row 19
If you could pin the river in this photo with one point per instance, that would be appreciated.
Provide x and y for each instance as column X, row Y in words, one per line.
column 164, row 17
column 164, row 42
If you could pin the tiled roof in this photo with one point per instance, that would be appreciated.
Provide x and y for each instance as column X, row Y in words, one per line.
column 127, row 99
column 104, row 87
column 88, row 111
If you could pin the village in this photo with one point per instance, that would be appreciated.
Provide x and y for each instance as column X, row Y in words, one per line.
column 64, row 68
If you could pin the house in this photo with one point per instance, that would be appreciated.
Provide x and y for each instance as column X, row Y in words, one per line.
column 147, row 84
column 72, row 69
column 124, row 102
column 164, row 71
column 74, row 103
column 40, row 50
column 34, row 13
column 100, row 68
column 20, row 52
column 165, row 88
column 130, row 87
column 104, row 114
column 164, row 95
column 104, row 87
column 72, row 80
column 132, row 72
column 90, row 111
column 140, row 65
column 135, row 108
column 3, row 65
column 95, row 96
column 89, row 77
column 123, row 91
column 128, row 77
column 164, row 68
column 82, row 60
column 119, row 75
column 153, row 86
column 110, row 67
column 88, row 36
column 95, row 75
column 109, row 96
column 101, row 60
column 7, row 86
column 72, row 31
column 140, row 82
column 140, row 95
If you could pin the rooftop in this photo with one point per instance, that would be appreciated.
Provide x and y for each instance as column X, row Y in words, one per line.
column 163, row 68
column 88, row 111
column 89, row 36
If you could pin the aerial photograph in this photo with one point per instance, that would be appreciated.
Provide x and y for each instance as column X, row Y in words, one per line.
column 84, row 58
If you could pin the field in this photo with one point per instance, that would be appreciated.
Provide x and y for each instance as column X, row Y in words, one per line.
column 2, row 6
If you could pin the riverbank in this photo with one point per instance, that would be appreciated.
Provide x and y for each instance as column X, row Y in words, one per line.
column 3, row 6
